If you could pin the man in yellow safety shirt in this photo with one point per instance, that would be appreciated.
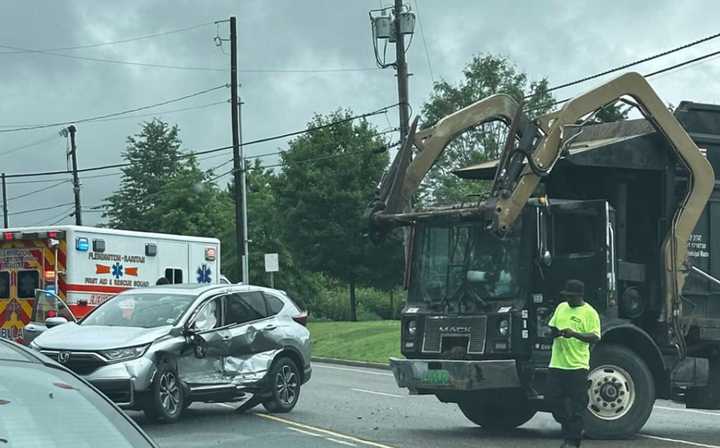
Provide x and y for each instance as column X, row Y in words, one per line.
column 575, row 325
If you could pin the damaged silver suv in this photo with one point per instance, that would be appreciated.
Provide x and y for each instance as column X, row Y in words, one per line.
column 160, row 349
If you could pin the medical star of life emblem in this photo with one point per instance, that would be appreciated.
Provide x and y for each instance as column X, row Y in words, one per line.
column 204, row 274
column 117, row 270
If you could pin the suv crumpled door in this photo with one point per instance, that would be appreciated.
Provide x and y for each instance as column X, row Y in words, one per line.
column 256, row 334
column 201, row 363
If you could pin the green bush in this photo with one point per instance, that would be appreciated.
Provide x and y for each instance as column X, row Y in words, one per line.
column 333, row 303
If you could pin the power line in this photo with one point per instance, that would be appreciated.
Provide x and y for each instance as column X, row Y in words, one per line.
column 682, row 64
column 333, row 156
column 213, row 150
column 23, row 212
column 62, row 219
column 163, row 112
column 23, row 50
column 631, row 64
column 115, row 42
column 38, row 191
column 28, row 145
column 113, row 114
column 424, row 41
column 65, row 214
column 648, row 75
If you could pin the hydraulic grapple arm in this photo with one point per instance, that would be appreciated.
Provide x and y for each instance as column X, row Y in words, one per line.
column 549, row 150
column 532, row 149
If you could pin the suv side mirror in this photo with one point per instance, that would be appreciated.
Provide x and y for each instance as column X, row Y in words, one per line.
column 55, row 321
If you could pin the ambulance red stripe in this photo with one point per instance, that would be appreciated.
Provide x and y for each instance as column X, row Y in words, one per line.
column 70, row 287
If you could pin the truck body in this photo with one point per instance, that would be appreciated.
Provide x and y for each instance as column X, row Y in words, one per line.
column 614, row 209
column 85, row 266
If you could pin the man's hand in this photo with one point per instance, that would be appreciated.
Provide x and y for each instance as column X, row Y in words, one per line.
column 590, row 338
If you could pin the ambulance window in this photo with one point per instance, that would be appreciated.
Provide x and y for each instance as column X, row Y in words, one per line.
column 28, row 282
column 174, row 276
column 4, row 285
column 98, row 245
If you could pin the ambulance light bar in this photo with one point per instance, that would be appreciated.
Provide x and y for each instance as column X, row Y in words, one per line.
column 50, row 234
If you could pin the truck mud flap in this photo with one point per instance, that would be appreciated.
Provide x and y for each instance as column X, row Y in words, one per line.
column 448, row 375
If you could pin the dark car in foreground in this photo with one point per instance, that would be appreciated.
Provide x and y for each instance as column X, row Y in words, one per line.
column 43, row 404
column 159, row 349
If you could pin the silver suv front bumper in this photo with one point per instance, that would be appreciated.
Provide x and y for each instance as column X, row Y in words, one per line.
column 449, row 375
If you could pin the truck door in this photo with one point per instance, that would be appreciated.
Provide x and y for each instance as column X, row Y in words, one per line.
column 580, row 245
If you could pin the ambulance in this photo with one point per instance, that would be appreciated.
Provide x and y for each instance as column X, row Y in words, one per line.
column 86, row 265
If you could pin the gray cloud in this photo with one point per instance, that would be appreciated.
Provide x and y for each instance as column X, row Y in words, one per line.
column 551, row 39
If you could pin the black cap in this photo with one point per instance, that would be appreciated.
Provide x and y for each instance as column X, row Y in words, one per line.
column 573, row 288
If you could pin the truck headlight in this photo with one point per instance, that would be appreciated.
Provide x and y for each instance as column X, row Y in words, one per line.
column 412, row 327
column 504, row 327
column 124, row 354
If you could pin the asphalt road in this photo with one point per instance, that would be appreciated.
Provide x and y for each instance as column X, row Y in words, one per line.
column 346, row 406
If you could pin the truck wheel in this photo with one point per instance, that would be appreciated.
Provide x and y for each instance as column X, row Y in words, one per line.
column 496, row 412
column 621, row 394
column 167, row 396
column 284, row 379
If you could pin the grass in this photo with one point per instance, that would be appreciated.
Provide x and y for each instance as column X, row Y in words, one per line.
column 373, row 341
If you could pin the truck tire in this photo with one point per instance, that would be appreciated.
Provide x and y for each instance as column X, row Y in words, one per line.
column 166, row 400
column 498, row 413
column 284, row 381
column 621, row 393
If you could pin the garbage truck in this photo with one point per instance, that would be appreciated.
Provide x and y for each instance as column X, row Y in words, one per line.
column 627, row 207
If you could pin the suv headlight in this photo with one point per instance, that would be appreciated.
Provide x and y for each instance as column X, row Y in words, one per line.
column 504, row 327
column 124, row 354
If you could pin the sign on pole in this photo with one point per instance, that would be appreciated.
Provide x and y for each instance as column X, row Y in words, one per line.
column 272, row 263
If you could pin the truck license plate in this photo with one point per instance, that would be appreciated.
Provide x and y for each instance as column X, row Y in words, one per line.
column 437, row 377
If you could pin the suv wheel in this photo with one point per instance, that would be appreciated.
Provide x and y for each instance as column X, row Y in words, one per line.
column 167, row 397
column 285, row 383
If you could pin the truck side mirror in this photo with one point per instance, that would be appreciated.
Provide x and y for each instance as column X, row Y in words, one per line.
column 476, row 276
column 55, row 321
column 547, row 258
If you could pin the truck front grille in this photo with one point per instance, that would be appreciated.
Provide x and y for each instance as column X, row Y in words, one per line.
column 440, row 328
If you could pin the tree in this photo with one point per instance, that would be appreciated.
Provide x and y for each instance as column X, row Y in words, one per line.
column 328, row 177
column 164, row 191
column 482, row 77
column 154, row 157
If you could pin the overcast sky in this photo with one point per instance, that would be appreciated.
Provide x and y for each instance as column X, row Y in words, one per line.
column 559, row 40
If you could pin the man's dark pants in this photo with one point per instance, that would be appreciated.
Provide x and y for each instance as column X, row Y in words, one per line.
column 568, row 398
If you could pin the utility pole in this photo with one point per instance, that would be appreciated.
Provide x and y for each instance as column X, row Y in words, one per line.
column 238, row 169
column 402, row 73
column 243, row 182
column 76, row 179
column 5, row 212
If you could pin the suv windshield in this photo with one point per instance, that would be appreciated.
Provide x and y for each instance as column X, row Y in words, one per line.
column 144, row 310
column 452, row 261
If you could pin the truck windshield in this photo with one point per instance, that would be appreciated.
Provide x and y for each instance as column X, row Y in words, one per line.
column 140, row 310
column 451, row 262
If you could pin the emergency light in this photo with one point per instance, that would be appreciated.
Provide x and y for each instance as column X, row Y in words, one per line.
column 82, row 244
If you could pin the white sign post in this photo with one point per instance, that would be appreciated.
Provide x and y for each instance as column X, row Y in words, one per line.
column 272, row 265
